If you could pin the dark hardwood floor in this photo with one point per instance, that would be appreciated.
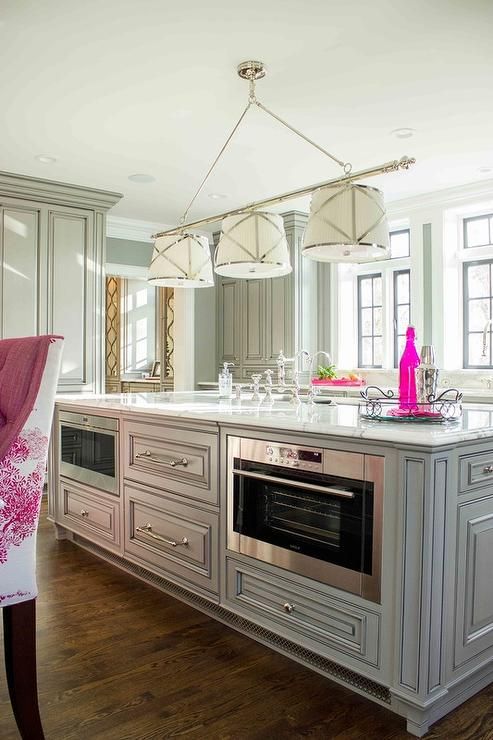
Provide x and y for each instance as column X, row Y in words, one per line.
column 119, row 660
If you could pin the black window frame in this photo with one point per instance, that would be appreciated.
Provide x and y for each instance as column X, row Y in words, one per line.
column 395, row 233
column 396, row 306
column 484, row 216
column 465, row 315
column 373, row 306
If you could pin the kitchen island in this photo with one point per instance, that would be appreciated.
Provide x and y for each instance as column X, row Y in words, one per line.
column 162, row 503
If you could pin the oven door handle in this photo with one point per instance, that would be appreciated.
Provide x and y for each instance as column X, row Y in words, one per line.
column 297, row 484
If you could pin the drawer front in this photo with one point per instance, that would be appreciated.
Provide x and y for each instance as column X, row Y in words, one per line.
column 179, row 460
column 324, row 623
column 476, row 471
column 95, row 516
column 172, row 537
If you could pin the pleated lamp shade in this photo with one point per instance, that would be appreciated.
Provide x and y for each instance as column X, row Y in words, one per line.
column 181, row 261
column 252, row 245
column 347, row 223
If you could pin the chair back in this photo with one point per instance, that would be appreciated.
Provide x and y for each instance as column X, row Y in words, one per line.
column 23, row 458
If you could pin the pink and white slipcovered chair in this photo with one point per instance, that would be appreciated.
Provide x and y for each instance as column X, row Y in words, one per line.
column 29, row 368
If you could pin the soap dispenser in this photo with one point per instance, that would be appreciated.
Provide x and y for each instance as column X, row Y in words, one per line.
column 226, row 381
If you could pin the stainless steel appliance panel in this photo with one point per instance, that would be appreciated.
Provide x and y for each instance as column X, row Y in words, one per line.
column 309, row 510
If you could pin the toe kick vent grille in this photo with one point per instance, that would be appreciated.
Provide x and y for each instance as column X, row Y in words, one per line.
column 281, row 644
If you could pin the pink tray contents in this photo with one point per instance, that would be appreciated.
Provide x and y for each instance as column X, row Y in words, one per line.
column 339, row 381
column 414, row 412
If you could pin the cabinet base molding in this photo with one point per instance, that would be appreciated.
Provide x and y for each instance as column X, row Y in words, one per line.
column 421, row 717
column 324, row 666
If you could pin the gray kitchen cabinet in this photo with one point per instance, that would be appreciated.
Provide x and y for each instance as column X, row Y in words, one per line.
column 474, row 595
column 253, row 316
column 229, row 322
column 52, row 240
column 256, row 318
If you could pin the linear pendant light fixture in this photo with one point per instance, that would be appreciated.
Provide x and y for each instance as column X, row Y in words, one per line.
column 347, row 222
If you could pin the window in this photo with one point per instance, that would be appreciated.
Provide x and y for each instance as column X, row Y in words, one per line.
column 477, row 291
column 138, row 320
column 382, row 309
column 478, row 231
column 400, row 244
column 402, row 310
column 370, row 320
column 478, row 299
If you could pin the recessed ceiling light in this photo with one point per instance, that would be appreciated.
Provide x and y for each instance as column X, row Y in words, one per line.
column 402, row 133
column 485, row 170
column 46, row 158
column 217, row 196
column 139, row 177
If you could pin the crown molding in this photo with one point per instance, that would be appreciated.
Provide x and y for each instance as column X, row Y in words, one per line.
column 118, row 227
column 456, row 195
column 58, row 193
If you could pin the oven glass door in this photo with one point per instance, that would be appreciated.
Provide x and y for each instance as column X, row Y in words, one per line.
column 88, row 455
column 321, row 516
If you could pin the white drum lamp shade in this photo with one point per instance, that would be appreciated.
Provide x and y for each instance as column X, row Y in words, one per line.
column 347, row 223
column 181, row 261
column 252, row 245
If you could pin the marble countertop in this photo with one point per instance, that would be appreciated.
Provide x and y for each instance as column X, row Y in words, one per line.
column 340, row 419
column 470, row 393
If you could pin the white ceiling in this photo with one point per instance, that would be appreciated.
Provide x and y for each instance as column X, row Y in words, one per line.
column 116, row 87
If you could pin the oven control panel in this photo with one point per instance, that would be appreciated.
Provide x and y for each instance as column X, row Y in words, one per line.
column 303, row 458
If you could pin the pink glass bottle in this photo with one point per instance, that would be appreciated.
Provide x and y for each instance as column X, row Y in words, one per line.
column 407, row 367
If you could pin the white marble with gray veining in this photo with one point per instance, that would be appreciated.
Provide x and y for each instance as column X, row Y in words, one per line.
column 341, row 419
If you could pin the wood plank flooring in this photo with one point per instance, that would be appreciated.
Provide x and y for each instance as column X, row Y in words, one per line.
column 119, row 660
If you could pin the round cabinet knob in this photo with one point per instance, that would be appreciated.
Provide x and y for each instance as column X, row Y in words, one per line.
column 488, row 469
column 288, row 608
column 83, row 512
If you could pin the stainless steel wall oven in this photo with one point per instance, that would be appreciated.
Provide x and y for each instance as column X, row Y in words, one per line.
column 312, row 511
column 88, row 448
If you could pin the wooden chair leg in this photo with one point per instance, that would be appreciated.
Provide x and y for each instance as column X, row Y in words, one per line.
column 19, row 627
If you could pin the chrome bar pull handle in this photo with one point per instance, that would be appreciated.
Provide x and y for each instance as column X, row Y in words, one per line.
column 147, row 530
column 173, row 463
column 328, row 490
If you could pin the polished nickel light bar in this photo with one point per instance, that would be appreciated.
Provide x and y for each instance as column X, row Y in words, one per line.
column 393, row 166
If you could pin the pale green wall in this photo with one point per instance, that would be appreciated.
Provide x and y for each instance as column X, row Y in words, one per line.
column 128, row 252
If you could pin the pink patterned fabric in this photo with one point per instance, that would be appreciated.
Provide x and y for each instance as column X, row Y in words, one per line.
column 22, row 362
column 22, row 469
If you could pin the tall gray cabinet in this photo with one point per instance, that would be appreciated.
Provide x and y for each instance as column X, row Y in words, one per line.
column 256, row 319
column 52, row 241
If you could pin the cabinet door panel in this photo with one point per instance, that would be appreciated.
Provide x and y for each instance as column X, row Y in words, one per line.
column 474, row 628
column 254, row 321
column 278, row 318
column 229, row 330
column 20, row 283
column 72, row 290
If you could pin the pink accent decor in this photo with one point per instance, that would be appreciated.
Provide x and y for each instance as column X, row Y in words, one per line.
column 20, row 493
column 409, row 412
column 339, row 381
column 22, row 362
column 407, row 375
column 29, row 370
